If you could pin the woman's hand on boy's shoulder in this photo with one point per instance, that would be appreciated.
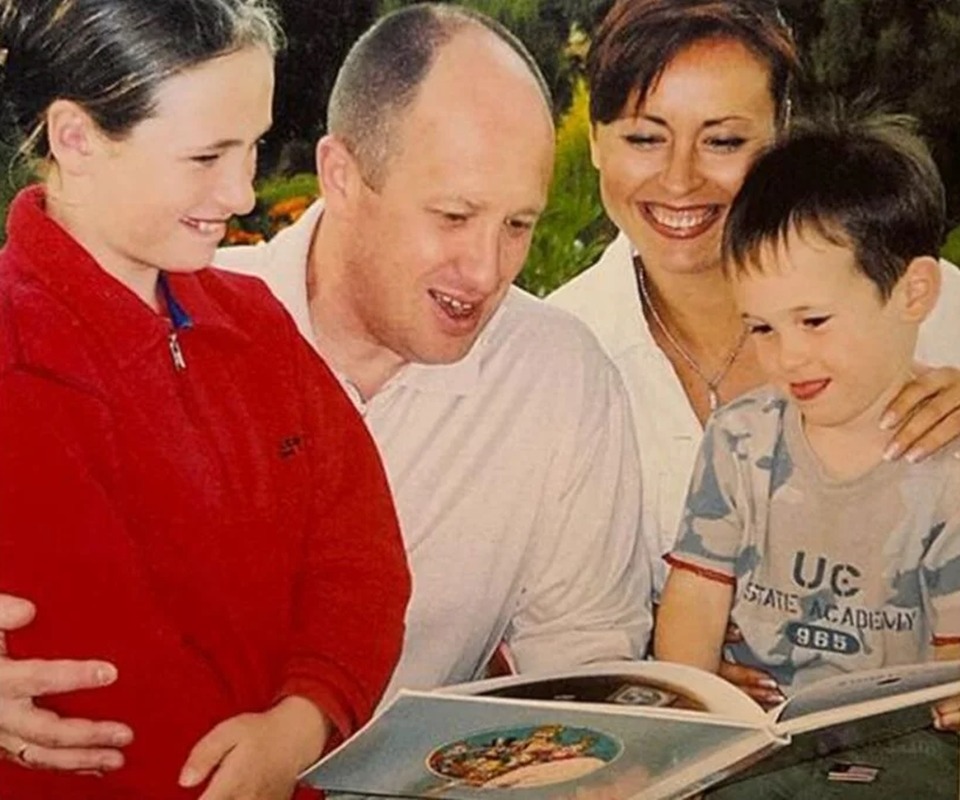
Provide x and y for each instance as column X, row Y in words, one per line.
column 925, row 415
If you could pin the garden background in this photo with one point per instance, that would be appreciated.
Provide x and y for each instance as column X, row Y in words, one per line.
column 904, row 52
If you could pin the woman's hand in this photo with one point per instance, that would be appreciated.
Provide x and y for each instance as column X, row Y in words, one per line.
column 946, row 714
column 925, row 415
column 258, row 756
column 37, row 737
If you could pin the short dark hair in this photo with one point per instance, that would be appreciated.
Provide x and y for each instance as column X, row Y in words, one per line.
column 638, row 39
column 384, row 70
column 866, row 182
column 110, row 56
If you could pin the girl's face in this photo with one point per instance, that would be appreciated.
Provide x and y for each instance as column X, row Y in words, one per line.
column 161, row 196
column 670, row 169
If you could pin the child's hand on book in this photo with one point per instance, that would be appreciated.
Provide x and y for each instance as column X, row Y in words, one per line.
column 754, row 682
column 258, row 756
column 946, row 714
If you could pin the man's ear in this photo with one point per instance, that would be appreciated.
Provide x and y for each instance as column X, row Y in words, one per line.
column 73, row 136
column 338, row 172
column 919, row 288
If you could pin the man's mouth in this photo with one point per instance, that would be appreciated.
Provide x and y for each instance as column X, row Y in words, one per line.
column 680, row 223
column 454, row 307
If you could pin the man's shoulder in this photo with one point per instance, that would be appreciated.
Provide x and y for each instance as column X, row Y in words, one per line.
column 278, row 259
column 531, row 330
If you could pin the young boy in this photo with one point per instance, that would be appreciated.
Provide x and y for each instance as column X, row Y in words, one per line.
column 827, row 557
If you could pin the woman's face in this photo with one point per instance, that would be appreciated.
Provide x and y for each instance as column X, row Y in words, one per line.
column 161, row 196
column 669, row 172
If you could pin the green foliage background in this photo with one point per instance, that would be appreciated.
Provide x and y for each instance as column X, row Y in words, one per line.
column 904, row 51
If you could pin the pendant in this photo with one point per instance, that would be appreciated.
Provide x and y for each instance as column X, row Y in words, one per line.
column 713, row 398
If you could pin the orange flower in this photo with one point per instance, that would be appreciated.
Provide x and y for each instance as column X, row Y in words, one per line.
column 290, row 208
column 240, row 236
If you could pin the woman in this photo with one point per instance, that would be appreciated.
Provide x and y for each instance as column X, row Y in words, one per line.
column 184, row 487
column 683, row 97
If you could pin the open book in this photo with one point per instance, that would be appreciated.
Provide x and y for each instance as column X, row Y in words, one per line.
column 620, row 731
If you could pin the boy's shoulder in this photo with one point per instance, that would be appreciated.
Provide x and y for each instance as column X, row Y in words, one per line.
column 749, row 429
column 760, row 411
column 943, row 466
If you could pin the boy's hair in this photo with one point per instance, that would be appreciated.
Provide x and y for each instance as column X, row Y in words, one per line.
column 865, row 182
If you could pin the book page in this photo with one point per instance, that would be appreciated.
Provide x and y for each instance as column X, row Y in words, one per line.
column 861, row 694
column 629, row 684
column 433, row 745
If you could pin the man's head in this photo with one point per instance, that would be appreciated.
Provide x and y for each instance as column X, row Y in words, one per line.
column 434, row 172
column 383, row 71
column 832, row 246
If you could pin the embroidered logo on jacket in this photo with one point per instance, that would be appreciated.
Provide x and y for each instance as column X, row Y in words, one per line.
column 290, row 446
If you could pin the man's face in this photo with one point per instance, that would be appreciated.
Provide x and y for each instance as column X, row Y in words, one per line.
column 823, row 333
column 438, row 244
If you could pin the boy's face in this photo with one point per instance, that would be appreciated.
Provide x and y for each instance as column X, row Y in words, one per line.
column 822, row 331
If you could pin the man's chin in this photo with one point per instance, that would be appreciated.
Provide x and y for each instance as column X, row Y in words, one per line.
column 444, row 353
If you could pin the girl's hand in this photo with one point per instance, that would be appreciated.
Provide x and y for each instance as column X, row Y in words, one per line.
column 258, row 756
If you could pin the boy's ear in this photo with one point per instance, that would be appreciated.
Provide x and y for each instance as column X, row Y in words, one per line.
column 919, row 288
column 73, row 136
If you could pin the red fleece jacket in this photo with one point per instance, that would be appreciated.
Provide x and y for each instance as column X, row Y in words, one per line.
column 221, row 530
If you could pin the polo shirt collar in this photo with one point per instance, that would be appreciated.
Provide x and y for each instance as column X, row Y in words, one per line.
column 128, row 327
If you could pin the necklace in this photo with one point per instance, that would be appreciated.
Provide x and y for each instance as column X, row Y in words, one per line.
column 712, row 382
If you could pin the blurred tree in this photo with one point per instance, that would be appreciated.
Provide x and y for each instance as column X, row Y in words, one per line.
column 573, row 230
column 319, row 33
column 903, row 52
column 544, row 26
column 14, row 168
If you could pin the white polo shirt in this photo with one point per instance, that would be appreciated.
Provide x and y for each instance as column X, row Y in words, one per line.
column 516, row 481
column 606, row 298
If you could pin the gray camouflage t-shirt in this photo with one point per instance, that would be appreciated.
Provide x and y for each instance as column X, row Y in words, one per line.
column 831, row 575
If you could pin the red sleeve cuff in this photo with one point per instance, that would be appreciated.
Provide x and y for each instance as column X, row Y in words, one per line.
column 330, row 703
column 699, row 571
